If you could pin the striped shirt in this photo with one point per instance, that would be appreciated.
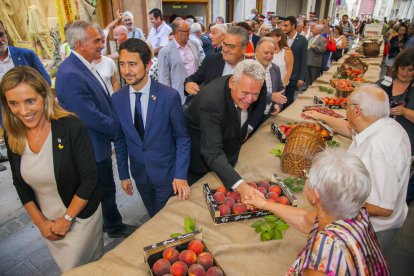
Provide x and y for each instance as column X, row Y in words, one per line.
column 344, row 247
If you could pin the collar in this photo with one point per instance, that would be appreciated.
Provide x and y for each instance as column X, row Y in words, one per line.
column 268, row 67
column 178, row 45
column 359, row 138
column 8, row 55
column 89, row 65
column 144, row 90
column 293, row 38
column 160, row 26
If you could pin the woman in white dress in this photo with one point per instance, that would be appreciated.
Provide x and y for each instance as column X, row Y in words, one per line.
column 340, row 40
column 283, row 56
column 53, row 167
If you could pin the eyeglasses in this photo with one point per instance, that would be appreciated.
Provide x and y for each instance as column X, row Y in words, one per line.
column 3, row 35
column 182, row 31
column 230, row 46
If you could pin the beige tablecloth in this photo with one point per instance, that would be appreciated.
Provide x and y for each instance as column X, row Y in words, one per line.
column 235, row 245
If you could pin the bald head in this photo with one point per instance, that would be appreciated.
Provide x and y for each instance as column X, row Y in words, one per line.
column 120, row 34
column 181, row 31
column 372, row 100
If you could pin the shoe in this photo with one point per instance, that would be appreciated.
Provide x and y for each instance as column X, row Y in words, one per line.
column 2, row 168
column 3, row 158
column 124, row 232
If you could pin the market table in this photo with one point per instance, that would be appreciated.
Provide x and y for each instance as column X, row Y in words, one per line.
column 235, row 245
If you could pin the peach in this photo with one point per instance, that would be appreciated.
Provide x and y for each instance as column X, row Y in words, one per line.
column 252, row 184
column 239, row 208
column 214, row 271
column 273, row 196
column 161, row 267
column 171, row 254
column 264, row 184
column 196, row 270
column 205, row 259
column 219, row 197
column 188, row 256
column 263, row 190
column 179, row 269
column 283, row 200
column 233, row 194
column 229, row 202
column 196, row 246
column 224, row 210
column 275, row 189
column 222, row 189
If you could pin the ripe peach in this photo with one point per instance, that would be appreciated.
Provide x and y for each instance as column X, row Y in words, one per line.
column 275, row 189
column 263, row 190
column 239, row 208
column 179, row 269
column 214, row 271
column 205, row 259
column 188, row 256
column 264, row 184
column 171, row 254
column 233, row 194
column 219, row 197
column 222, row 189
column 196, row 246
column 272, row 195
column 252, row 184
column 284, row 200
column 196, row 270
column 224, row 210
column 229, row 202
column 161, row 267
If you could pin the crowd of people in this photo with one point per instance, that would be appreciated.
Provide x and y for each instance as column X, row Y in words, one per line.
column 180, row 102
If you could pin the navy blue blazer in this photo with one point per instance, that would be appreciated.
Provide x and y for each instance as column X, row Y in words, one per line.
column 164, row 153
column 78, row 90
column 22, row 57
column 300, row 58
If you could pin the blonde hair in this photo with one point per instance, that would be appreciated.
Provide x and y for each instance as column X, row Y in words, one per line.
column 14, row 127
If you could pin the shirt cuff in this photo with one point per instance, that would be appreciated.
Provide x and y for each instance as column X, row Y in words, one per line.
column 249, row 129
column 234, row 187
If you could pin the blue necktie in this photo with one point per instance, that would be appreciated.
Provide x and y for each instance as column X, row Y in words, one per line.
column 139, row 124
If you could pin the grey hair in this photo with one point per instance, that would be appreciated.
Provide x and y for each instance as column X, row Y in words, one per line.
column 239, row 31
column 77, row 32
column 319, row 27
column 251, row 68
column 220, row 27
column 195, row 28
column 121, row 28
column 190, row 21
column 342, row 181
column 265, row 39
column 372, row 100
column 127, row 14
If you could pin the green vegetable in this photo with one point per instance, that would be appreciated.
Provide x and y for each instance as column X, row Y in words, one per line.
column 278, row 151
column 295, row 184
column 333, row 143
column 270, row 228
column 326, row 89
column 189, row 225
column 174, row 235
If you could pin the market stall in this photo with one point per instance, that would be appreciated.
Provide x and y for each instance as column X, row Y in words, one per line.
column 235, row 245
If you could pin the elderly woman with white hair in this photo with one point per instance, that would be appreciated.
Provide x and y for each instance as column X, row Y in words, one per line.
column 341, row 240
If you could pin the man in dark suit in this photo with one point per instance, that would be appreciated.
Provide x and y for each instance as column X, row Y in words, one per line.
column 151, row 131
column 80, row 89
column 217, row 65
column 317, row 47
column 217, row 121
column 299, row 45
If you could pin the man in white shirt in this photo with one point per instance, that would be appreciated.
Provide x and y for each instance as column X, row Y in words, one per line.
column 384, row 147
column 158, row 35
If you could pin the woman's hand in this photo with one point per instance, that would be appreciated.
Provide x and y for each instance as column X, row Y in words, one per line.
column 45, row 229
column 61, row 227
column 398, row 110
column 256, row 201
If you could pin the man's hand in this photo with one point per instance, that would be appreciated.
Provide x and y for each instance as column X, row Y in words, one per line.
column 276, row 110
column 278, row 97
column 247, row 193
column 192, row 88
column 45, row 229
column 61, row 227
column 127, row 186
column 300, row 83
column 181, row 187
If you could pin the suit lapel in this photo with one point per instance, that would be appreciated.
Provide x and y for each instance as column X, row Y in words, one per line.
column 58, row 143
column 152, row 104
column 15, row 55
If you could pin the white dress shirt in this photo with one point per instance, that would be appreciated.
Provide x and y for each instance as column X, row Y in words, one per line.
column 385, row 149
column 290, row 40
column 159, row 37
column 6, row 64
column 144, row 100
column 228, row 70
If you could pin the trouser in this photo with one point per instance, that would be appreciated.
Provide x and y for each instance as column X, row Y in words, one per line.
column 313, row 74
column 385, row 239
column 154, row 196
column 111, row 216
column 194, row 177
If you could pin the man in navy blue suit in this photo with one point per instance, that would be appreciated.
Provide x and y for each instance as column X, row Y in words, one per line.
column 81, row 89
column 151, row 131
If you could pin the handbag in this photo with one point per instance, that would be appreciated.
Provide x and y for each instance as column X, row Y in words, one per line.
column 330, row 46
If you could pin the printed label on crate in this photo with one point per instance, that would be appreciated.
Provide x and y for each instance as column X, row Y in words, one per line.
column 172, row 240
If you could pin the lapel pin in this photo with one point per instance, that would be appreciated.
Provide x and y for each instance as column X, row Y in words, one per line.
column 60, row 146
column 153, row 97
column 59, row 140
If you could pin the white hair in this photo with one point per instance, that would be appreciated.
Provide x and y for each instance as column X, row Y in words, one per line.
column 77, row 32
column 127, row 14
column 251, row 68
column 372, row 100
column 220, row 27
column 121, row 28
column 195, row 28
column 190, row 21
column 342, row 181
column 319, row 27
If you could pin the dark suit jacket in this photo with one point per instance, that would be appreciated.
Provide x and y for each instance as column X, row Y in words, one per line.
column 214, row 128
column 255, row 39
column 212, row 68
column 277, row 83
column 22, row 56
column 300, row 58
column 79, row 91
column 74, row 166
column 164, row 154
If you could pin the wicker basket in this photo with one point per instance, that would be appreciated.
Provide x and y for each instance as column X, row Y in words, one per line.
column 354, row 63
column 371, row 49
column 301, row 146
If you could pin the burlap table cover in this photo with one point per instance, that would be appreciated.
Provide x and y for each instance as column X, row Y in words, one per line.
column 235, row 245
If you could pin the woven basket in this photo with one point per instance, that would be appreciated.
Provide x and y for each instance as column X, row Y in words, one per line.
column 301, row 146
column 371, row 49
column 354, row 63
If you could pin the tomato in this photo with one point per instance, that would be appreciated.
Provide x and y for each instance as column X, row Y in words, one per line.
column 324, row 133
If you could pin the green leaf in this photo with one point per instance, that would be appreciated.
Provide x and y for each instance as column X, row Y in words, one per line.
column 258, row 229
column 270, row 218
column 174, row 235
column 277, row 235
column 265, row 236
column 283, row 227
column 257, row 223
column 272, row 224
column 189, row 225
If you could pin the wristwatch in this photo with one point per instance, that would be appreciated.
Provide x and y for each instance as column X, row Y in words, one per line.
column 68, row 218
